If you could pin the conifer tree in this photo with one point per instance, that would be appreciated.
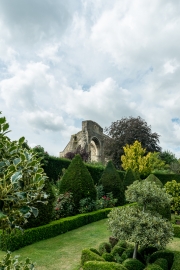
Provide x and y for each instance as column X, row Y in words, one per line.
column 129, row 178
column 112, row 182
column 78, row 181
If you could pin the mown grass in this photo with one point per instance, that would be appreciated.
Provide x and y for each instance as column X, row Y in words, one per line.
column 64, row 251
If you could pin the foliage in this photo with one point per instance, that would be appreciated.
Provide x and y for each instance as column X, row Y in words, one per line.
column 168, row 157
column 147, row 194
column 64, row 206
column 173, row 188
column 21, row 181
column 164, row 178
column 87, row 205
column 127, row 131
column 41, row 153
column 13, row 263
column 81, row 151
column 106, row 201
column 175, row 167
column 141, row 228
column 153, row 178
column 112, row 183
column 133, row 264
column 45, row 210
column 18, row 240
column 129, row 178
column 168, row 255
column 153, row 267
column 162, row 263
column 108, row 257
column 136, row 159
column 104, row 247
column 113, row 241
column 95, row 172
column 88, row 255
column 94, row 265
column 117, row 250
column 78, row 180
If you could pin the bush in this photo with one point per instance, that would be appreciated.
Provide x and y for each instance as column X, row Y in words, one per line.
column 176, row 231
column 88, row 255
column 78, row 180
column 46, row 211
column 153, row 267
column 176, row 262
column 92, row 265
column 147, row 251
column 113, row 241
column 152, row 178
column 129, row 178
column 108, row 257
column 13, row 263
column 104, row 247
column 122, row 243
column 64, row 205
column 95, row 251
column 133, row 264
column 128, row 253
column 173, row 188
column 87, row 205
column 112, row 183
column 162, row 263
column 106, row 201
column 117, row 250
column 164, row 177
column 168, row 255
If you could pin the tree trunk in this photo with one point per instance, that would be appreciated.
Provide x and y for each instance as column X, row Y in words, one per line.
column 135, row 251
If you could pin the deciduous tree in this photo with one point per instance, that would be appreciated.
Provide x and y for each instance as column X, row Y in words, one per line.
column 127, row 131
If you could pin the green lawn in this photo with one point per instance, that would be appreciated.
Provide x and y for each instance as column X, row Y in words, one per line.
column 64, row 251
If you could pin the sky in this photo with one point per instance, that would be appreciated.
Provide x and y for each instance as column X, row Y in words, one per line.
column 63, row 62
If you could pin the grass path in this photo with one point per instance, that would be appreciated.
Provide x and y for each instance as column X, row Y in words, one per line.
column 64, row 251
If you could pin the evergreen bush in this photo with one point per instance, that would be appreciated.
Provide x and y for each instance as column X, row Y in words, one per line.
column 88, row 255
column 104, row 247
column 153, row 267
column 46, row 211
column 78, row 181
column 113, row 183
column 153, row 178
column 133, row 264
column 168, row 255
column 162, row 263
column 117, row 250
column 129, row 178
column 97, row 265
column 108, row 257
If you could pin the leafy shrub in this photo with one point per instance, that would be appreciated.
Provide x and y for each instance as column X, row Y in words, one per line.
column 176, row 262
column 64, row 205
column 117, row 250
column 108, row 257
column 13, row 263
column 87, row 205
column 45, row 210
column 78, row 180
column 88, row 255
column 106, row 201
column 95, row 251
column 153, row 267
column 133, row 264
column 122, row 243
column 128, row 253
column 162, row 263
column 173, row 188
column 112, row 183
column 104, row 247
column 147, row 251
column 92, row 265
column 113, row 241
column 168, row 255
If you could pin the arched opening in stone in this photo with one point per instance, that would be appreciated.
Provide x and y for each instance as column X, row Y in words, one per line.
column 95, row 149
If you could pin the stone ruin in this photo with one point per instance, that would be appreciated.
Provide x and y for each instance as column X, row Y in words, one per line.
column 91, row 138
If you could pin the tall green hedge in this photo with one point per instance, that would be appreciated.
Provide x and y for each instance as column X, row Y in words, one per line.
column 78, row 181
column 112, row 182
column 164, row 178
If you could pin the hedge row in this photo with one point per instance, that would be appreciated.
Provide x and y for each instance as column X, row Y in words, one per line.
column 164, row 178
column 18, row 239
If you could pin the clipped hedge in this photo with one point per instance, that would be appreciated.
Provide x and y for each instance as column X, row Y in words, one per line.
column 95, row 265
column 132, row 264
column 176, row 262
column 176, row 230
column 168, row 255
column 88, row 255
column 18, row 240
column 164, row 178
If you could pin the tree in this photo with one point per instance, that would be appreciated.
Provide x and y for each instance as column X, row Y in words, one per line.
column 81, row 151
column 112, row 182
column 140, row 223
column 21, row 180
column 168, row 157
column 78, row 181
column 136, row 159
column 127, row 131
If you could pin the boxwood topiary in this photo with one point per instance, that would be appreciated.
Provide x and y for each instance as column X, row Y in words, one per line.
column 113, row 241
column 168, row 255
column 108, row 257
column 122, row 243
column 78, row 181
column 128, row 253
column 153, row 267
column 152, row 178
column 104, row 247
column 117, row 250
column 129, row 178
column 112, row 182
column 147, row 251
column 88, row 255
column 162, row 263
column 95, row 251
column 92, row 265
column 133, row 264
